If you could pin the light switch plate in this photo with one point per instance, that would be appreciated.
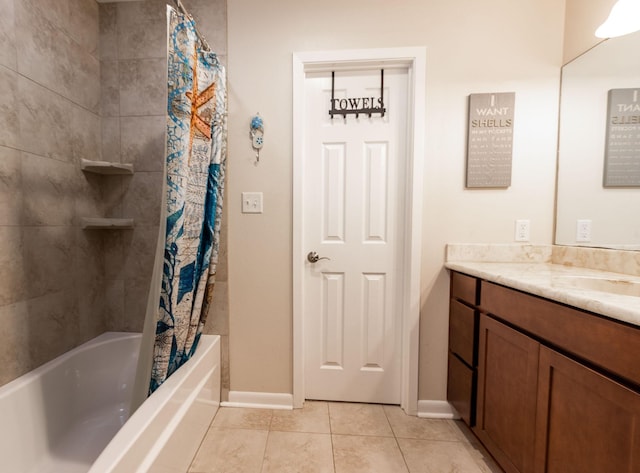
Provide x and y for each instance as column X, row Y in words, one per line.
column 252, row 202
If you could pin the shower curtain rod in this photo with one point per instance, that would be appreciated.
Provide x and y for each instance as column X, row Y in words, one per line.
column 184, row 11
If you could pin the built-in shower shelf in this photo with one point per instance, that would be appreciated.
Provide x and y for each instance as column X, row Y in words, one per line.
column 105, row 167
column 90, row 223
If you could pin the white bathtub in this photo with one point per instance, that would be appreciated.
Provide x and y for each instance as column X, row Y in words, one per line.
column 71, row 415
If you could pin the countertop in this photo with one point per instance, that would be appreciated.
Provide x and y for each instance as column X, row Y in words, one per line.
column 559, row 283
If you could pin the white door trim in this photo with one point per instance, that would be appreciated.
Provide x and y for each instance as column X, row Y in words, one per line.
column 414, row 58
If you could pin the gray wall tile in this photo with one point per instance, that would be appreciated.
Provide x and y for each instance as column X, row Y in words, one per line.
column 142, row 29
column 108, row 31
column 15, row 337
column 56, row 13
column 8, row 56
column 222, row 271
column 225, row 372
column 54, row 127
column 114, row 258
column 217, row 319
column 139, row 253
column 53, row 326
column 114, row 305
column 111, row 139
column 10, row 187
column 88, row 262
column 12, row 270
column 143, row 87
column 51, row 58
column 88, row 196
column 9, row 106
column 143, row 197
column 49, row 189
column 83, row 24
column 109, row 89
column 47, row 254
column 113, row 190
column 84, row 131
column 143, row 142
column 136, row 292
column 91, row 303
column 211, row 20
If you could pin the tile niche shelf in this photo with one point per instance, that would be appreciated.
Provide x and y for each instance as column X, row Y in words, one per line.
column 92, row 223
column 108, row 169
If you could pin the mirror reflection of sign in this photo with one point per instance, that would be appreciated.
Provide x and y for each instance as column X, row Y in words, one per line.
column 622, row 144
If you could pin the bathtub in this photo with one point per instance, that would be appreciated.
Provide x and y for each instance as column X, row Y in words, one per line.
column 71, row 415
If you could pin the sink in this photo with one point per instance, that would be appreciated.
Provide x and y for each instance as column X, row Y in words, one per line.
column 620, row 286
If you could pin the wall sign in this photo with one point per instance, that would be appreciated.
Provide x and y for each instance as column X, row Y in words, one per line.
column 356, row 106
column 490, row 139
column 622, row 143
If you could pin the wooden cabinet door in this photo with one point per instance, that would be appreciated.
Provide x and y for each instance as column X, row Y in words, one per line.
column 506, row 400
column 586, row 423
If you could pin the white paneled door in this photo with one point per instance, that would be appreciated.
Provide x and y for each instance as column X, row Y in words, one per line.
column 354, row 201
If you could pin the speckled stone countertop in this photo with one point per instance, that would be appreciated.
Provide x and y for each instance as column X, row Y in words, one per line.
column 563, row 283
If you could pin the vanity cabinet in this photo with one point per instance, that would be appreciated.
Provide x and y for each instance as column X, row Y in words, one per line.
column 463, row 345
column 507, row 382
column 586, row 422
column 558, row 388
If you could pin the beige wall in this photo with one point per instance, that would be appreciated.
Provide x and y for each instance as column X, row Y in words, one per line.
column 582, row 19
column 489, row 46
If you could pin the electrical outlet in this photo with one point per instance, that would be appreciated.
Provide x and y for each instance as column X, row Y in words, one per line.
column 583, row 230
column 522, row 230
column 252, row 202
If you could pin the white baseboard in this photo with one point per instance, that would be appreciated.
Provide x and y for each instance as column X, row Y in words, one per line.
column 259, row 400
column 436, row 410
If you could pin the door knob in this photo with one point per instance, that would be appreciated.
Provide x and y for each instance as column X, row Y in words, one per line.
column 313, row 257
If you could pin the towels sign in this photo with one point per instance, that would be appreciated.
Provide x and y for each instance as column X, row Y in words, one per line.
column 356, row 106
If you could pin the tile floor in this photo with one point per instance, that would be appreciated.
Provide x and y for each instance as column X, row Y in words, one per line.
column 327, row 437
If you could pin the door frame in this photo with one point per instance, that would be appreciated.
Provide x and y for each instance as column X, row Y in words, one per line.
column 414, row 59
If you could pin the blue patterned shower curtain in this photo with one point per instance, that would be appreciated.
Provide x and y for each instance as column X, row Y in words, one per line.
column 195, row 171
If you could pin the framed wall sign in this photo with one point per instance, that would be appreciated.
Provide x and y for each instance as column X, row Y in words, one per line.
column 490, row 140
column 622, row 142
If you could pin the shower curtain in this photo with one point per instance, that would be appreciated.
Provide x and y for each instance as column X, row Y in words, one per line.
column 187, row 253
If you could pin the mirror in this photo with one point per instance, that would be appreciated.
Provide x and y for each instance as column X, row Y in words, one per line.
column 610, row 214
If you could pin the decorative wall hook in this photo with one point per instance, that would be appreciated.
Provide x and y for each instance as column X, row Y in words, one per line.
column 257, row 135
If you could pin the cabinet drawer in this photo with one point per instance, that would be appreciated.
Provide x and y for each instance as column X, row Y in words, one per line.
column 606, row 343
column 461, row 389
column 465, row 288
column 463, row 322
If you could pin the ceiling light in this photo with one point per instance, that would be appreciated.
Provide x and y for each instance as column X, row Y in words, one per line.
column 623, row 19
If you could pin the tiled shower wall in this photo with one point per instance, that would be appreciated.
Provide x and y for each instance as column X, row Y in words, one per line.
column 133, row 105
column 51, row 272
column 82, row 80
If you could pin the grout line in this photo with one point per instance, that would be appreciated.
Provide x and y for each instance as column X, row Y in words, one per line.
column 395, row 437
column 333, row 448
column 270, row 421
column 202, row 442
column 59, row 94
column 264, row 452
